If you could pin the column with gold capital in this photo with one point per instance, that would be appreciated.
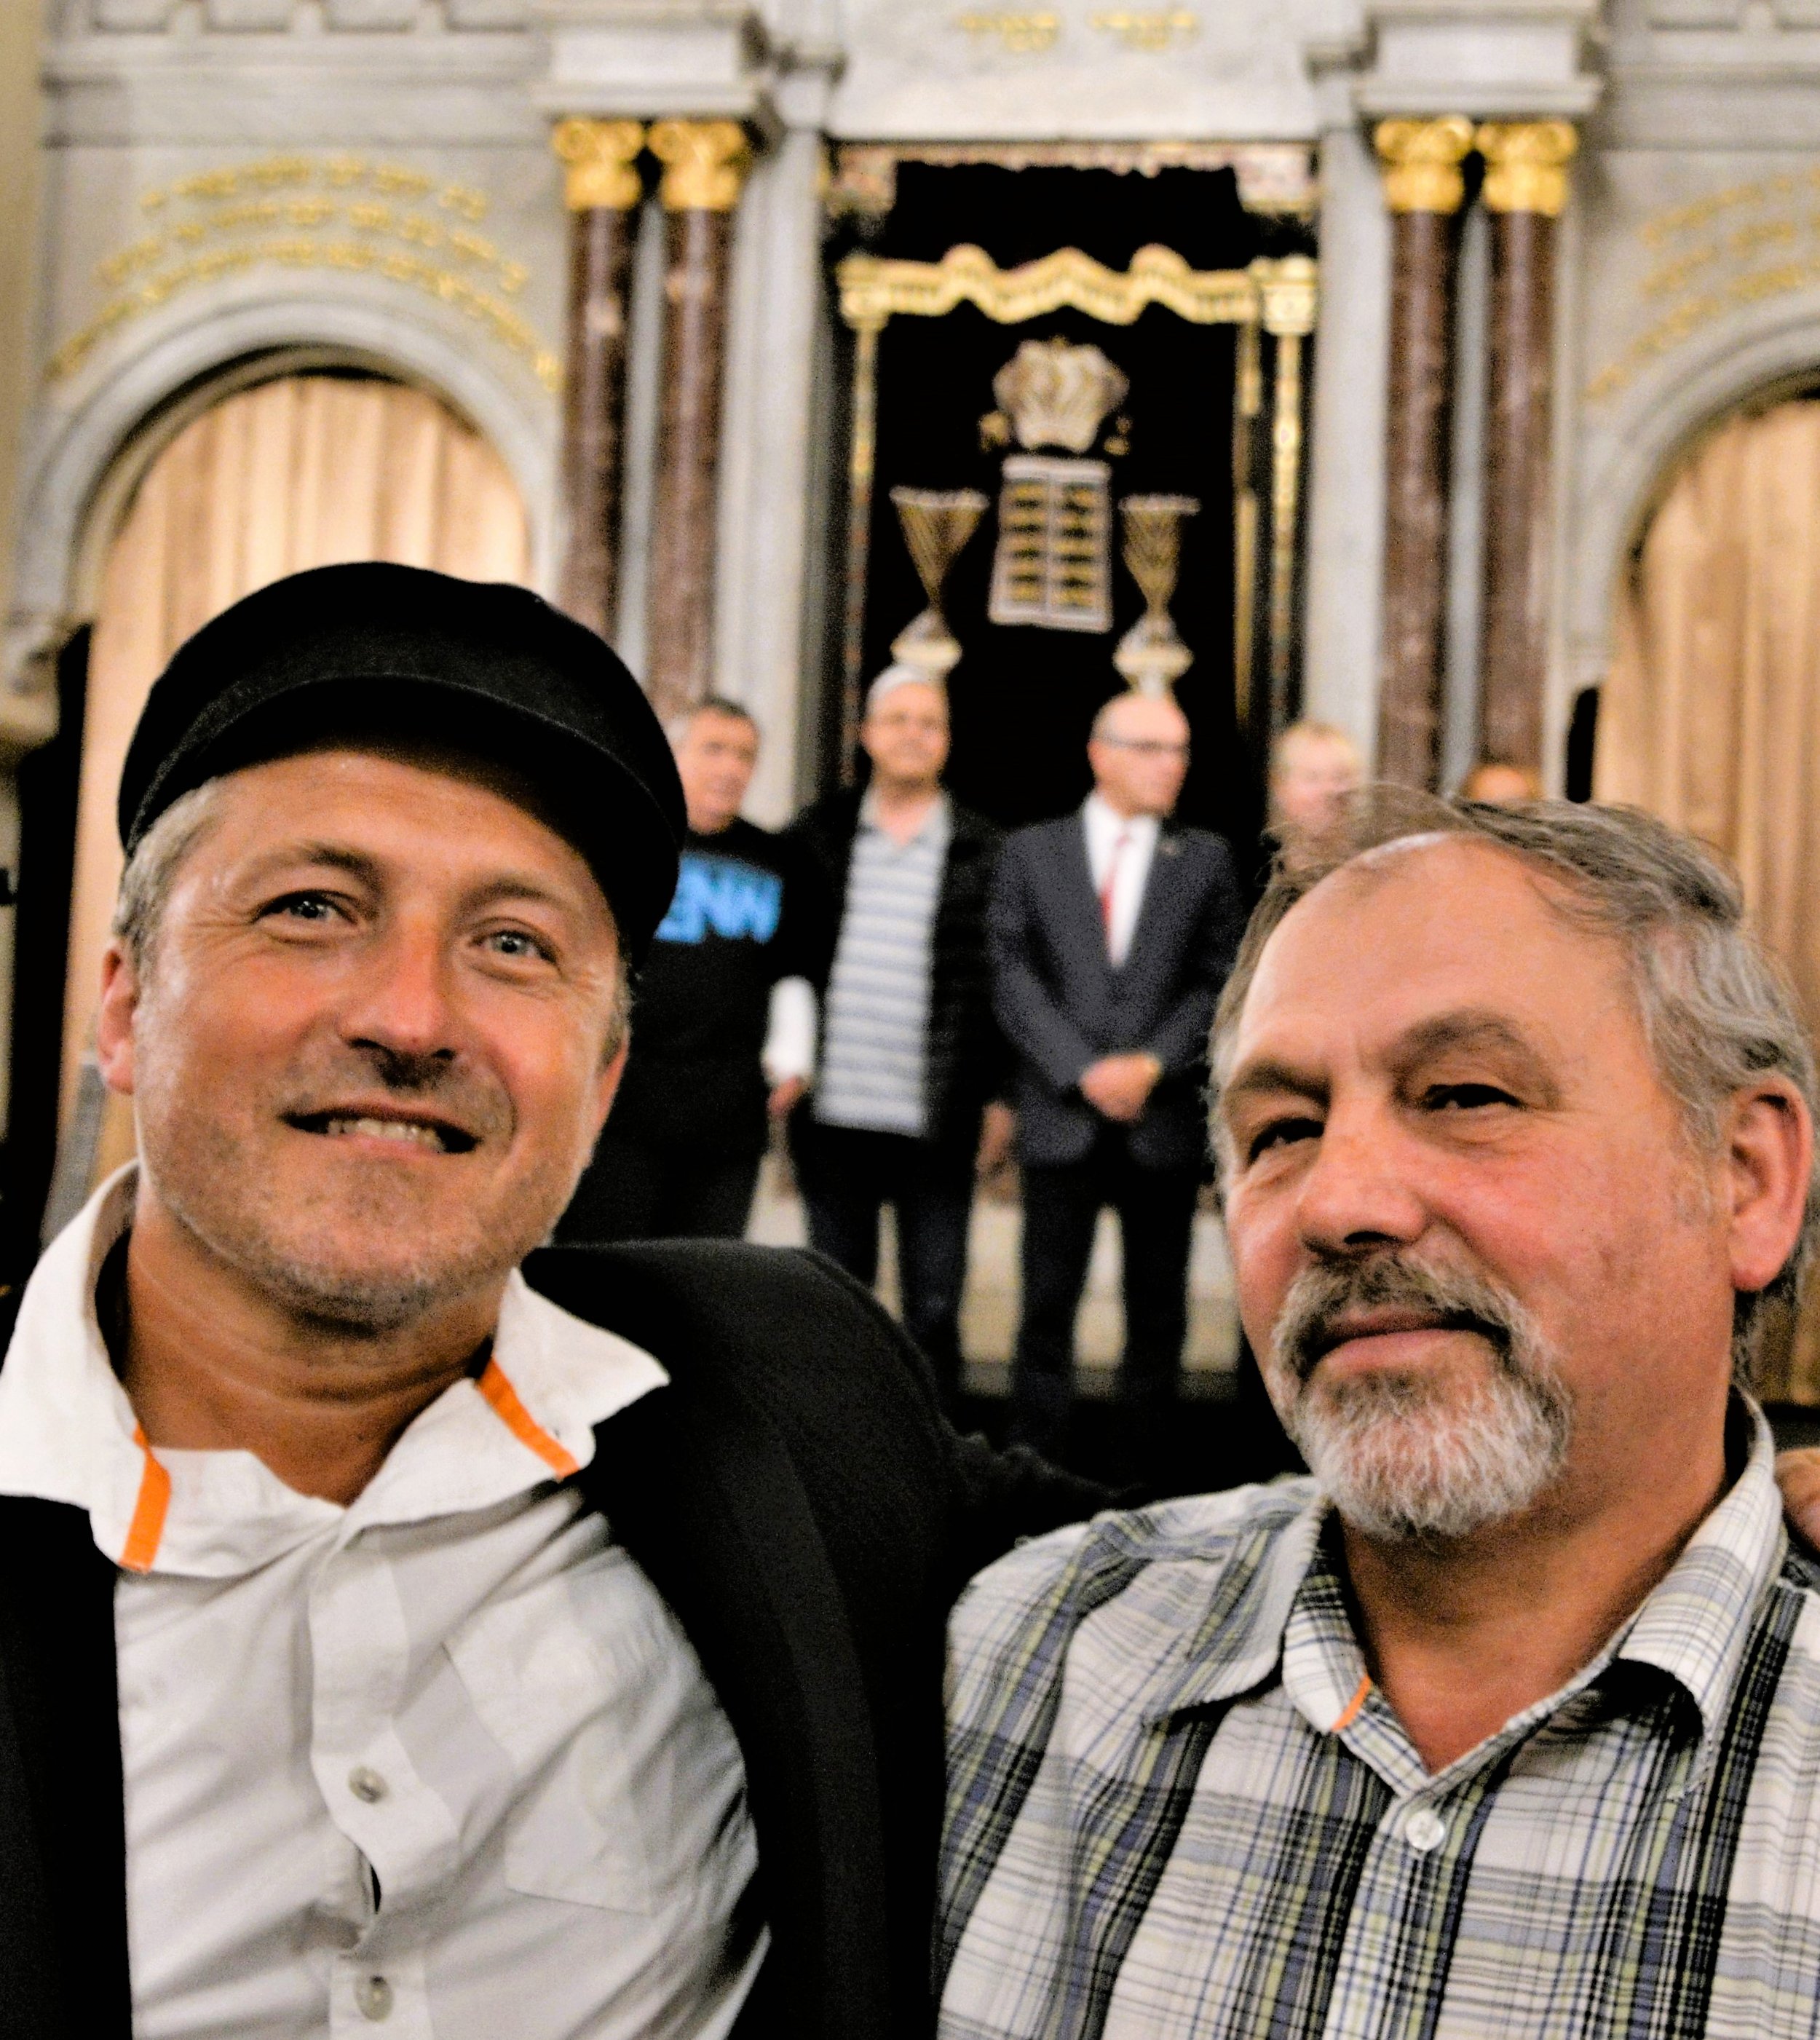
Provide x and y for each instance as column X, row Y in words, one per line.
column 1424, row 189
column 603, row 191
column 1525, row 190
column 705, row 165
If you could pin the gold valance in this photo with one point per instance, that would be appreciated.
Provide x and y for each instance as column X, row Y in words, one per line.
column 874, row 289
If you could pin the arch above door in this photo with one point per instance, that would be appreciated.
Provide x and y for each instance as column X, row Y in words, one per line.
column 1711, row 711
column 96, row 421
column 296, row 471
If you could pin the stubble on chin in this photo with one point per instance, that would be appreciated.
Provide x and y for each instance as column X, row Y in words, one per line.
column 355, row 1245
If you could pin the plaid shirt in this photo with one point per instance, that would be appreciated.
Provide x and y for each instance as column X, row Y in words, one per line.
column 1179, row 1805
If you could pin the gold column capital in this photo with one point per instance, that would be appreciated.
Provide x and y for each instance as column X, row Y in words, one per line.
column 599, row 155
column 1288, row 287
column 1526, row 165
column 705, row 164
column 1422, row 161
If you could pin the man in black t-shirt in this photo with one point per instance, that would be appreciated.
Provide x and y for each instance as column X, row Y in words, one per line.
column 723, row 1031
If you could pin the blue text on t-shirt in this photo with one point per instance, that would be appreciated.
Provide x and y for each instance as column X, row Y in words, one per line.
column 737, row 902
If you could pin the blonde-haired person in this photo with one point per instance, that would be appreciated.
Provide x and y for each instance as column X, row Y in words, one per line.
column 1314, row 768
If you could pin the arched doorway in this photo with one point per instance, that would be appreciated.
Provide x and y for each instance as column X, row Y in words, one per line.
column 1710, row 716
column 301, row 470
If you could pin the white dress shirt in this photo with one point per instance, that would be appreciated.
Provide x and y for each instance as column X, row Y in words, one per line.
column 1132, row 839
column 438, row 1763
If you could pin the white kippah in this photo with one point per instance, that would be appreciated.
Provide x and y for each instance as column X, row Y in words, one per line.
column 894, row 677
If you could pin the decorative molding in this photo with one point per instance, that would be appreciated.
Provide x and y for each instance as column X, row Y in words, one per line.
column 873, row 289
column 705, row 162
column 601, row 156
column 1274, row 178
column 240, row 18
column 302, row 212
column 1421, row 160
column 1525, row 164
column 1490, row 60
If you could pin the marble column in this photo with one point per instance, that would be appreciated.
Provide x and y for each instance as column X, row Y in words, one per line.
column 705, row 165
column 1525, row 189
column 1423, row 191
column 603, row 193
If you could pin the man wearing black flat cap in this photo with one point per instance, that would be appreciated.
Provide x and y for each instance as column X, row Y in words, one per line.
column 407, row 1626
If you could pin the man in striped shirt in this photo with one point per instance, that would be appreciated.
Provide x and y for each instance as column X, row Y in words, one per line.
column 1508, row 1720
column 910, row 1057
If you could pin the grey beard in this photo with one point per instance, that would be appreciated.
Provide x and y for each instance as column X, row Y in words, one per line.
column 1401, row 1456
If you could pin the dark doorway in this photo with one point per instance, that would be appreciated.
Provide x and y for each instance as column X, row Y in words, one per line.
column 48, row 781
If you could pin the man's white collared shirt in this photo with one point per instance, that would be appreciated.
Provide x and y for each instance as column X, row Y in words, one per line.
column 438, row 1763
column 1123, row 846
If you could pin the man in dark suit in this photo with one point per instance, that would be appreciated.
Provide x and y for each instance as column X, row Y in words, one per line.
column 1112, row 933
column 406, row 1625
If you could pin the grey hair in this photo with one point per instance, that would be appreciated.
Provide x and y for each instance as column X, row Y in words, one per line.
column 1716, row 1010
column 680, row 725
column 151, row 873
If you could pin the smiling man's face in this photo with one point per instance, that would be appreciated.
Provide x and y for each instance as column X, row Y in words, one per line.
column 371, row 1056
column 1472, row 1241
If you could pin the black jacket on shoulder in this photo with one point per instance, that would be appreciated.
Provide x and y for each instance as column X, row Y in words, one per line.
column 969, row 1062
column 797, row 1498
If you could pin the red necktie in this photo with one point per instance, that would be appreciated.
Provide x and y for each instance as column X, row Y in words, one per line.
column 1106, row 890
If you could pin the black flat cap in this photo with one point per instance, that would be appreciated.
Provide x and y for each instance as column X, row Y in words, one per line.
column 398, row 653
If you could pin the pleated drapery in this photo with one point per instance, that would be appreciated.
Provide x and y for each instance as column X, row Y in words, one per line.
column 302, row 472
column 1710, row 716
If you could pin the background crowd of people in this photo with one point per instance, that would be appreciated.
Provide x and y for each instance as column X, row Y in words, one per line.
column 915, row 999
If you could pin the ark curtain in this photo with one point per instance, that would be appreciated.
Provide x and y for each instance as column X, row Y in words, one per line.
column 1022, row 696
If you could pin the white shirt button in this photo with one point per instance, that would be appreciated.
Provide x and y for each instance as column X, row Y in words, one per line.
column 367, row 1785
column 1424, row 1830
column 374, row 1995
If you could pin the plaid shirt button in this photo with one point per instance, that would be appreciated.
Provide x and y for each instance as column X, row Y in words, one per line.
column 1424, row 1830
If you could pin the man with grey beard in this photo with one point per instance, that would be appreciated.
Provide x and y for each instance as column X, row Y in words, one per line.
column 1508, row 1719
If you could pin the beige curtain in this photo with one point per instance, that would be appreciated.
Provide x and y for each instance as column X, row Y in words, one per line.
column 1710, row 716
column 299, row 472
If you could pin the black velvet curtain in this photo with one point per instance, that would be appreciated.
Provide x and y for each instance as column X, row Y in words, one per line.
column 1023, row 696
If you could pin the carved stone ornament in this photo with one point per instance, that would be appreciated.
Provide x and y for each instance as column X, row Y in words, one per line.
column 600, row 155
column 1526, row 166
column 1422, row 161
column 705, row 164
column 1059, row 395
column 937, row 523
column 1053, row 564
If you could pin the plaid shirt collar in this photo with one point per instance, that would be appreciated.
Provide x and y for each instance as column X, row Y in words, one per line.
column 1293, row 1623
